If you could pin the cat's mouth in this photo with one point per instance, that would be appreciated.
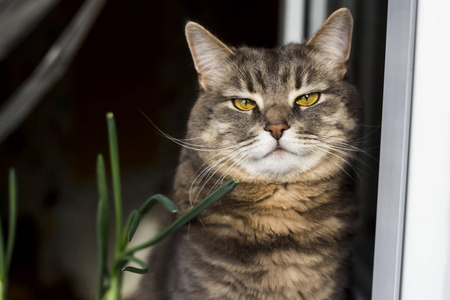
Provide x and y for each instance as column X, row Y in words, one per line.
column 279, row 150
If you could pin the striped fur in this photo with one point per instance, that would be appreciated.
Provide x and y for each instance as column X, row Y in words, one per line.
column 286, row 231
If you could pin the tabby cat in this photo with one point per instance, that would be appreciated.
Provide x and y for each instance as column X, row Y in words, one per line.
column 284, row 122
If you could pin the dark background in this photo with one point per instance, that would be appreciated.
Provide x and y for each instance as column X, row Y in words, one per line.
column 136, row 59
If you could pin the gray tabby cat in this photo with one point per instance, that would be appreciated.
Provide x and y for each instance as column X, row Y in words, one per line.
column 284, row 122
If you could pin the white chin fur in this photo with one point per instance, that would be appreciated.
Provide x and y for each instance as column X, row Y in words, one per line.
column 294, row 158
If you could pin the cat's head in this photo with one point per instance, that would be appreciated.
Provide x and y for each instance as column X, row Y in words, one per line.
column 277, row 115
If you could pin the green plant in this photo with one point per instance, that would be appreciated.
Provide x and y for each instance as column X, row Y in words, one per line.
column 7, row 249
column 110, row 280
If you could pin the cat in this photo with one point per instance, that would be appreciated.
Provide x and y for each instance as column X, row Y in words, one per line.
column 284, row 122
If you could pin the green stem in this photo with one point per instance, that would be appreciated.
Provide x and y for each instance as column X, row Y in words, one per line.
column 2, row 263
column 2, row 290
column 114, row 153
column 12, row 218
column 116, row 286
column 5, row 256
column 102, row 227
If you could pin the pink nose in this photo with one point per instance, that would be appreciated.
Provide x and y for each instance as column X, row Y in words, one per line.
column 276, row 129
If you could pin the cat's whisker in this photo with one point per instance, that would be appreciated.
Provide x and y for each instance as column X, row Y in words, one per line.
column 347, row 147
column 329, row 159
column 344, row 151
column 208, row 173
column 227, row 172
column 246, row 151
column 369, row 126
column 201, row 222
column 229, row 158
column 332, row 152
column 220, row 182
column 199, row 174
column 222, row 177
column 361, row 139
column 229, row 169
column 341, row 149
column 196, row 147
column 199, row 178
column 190, row 139
column 184, row 143
column 192, row 146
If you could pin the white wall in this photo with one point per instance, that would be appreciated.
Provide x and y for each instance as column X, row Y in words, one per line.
column 426, row 255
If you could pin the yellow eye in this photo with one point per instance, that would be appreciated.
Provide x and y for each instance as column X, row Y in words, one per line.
column 244, row 104
column 308, row 99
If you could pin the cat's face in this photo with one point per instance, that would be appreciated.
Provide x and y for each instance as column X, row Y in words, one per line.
column 277, row 115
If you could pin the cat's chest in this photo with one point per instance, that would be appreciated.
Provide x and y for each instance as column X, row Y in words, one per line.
column 277, row 211
column 280, row 244
column 277, row 273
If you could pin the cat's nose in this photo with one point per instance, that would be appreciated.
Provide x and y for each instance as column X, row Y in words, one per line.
column 276, row 129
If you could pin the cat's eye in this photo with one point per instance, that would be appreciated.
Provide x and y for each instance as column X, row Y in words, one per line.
column 244, row 104
column 307, row 99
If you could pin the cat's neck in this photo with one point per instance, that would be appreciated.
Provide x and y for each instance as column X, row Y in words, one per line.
column 259, row 209
column 264, row 214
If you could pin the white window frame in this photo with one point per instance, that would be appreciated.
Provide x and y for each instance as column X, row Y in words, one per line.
column 412, row 250
column 394, row 148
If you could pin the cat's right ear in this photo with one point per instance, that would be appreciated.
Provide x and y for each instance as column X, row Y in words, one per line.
column 334, row 38
column 209, row 54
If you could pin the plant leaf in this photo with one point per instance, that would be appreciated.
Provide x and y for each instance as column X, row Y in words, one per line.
column 2, row 254
column 12, row 218
column 135, row 216
column 131, row 225
column 102, row 226
column 143, row 265
column 177, row 224
column 166, row 202
column 115, row 170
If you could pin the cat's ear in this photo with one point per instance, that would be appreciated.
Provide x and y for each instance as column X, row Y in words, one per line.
column 334, row 38
column 209, row 54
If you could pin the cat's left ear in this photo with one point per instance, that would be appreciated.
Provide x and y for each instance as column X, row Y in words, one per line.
column 334, row 38
column 209, row 54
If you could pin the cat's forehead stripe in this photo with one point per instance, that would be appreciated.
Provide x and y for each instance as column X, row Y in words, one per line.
column 273, row 77
column 249, row 82
column 265, row 75
column 285, row 75
column 298, row 77
column 273, row 64
column 260, row 79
